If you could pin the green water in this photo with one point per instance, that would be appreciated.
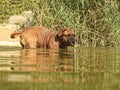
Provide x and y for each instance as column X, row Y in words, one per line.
column 80, row 68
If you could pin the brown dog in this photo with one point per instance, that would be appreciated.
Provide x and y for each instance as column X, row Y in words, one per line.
column 44, row 38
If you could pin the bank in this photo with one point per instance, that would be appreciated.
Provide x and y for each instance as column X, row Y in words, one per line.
column 5, row 39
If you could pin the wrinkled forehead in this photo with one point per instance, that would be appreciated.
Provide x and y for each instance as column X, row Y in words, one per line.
column 72, row 32
column 68, row 32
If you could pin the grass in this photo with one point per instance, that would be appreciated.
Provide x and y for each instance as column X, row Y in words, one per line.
column 96, row 22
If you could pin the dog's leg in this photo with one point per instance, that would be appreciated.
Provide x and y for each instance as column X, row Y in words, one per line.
column 32, row 42
column 33, row 45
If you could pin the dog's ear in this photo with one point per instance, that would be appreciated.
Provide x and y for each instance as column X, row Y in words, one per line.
column 57, row 38
column 60, row 32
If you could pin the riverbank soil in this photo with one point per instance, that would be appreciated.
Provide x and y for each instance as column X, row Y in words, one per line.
column 5, row 39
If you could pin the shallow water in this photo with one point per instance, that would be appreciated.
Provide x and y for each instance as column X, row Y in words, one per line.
column 76, row 68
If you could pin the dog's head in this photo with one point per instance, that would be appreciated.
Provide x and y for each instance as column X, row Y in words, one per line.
column 66, row 38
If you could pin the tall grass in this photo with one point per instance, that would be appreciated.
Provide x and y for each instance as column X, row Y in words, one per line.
column 96, row 22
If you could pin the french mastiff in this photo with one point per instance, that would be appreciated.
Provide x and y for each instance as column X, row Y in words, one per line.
column 42, row 37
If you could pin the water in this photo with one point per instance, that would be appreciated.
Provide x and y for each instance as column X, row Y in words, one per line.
column 73, row 69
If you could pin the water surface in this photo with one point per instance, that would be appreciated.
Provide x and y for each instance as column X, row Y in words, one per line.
column 76, row 68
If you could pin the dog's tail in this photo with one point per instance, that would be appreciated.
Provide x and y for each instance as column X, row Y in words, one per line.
column 15, row 34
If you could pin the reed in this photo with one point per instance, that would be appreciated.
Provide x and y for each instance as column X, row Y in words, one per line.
column 96, row 22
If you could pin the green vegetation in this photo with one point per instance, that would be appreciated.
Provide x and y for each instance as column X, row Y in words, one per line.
column 96, row 22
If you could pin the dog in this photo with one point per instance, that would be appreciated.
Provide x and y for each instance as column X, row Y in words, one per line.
column 42, row 37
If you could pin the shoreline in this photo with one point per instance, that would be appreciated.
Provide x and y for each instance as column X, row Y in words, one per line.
column 5, row 39
column 9, row 43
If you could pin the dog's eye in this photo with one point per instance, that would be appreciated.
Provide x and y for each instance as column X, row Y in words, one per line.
column 65, row 35
column 68, row 35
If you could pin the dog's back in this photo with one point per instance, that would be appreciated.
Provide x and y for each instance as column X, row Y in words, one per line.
column 31, row 37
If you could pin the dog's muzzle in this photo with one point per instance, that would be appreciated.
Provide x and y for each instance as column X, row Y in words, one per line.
column 71, row 41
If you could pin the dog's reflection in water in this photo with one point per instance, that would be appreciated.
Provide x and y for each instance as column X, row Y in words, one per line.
column 44, row 60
